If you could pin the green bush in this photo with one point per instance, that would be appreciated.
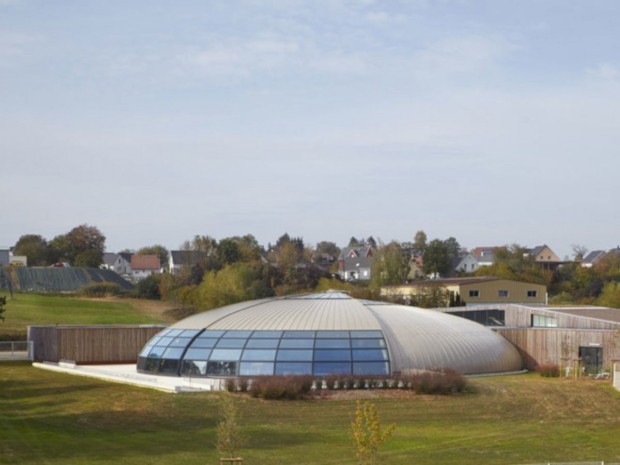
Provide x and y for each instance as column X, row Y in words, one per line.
column 101, row 290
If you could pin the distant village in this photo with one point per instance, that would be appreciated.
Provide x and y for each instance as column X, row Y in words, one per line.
column 426, row 273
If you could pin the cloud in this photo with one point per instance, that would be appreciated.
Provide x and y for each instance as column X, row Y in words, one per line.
column 460, row 54
column 605, row 72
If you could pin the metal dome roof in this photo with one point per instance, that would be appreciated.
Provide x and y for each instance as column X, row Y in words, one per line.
column 416, row 338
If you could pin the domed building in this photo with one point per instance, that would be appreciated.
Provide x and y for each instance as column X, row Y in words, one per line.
column 324, row 334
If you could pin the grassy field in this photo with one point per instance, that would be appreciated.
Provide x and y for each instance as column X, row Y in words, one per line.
column 51, row 418
column 41, row 309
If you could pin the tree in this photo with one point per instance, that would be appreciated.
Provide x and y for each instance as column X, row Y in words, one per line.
column 419, row 243
column 155, row 249
column 390, row 266
column 35, row 247
column 228, row 251
column 329, row 248
column 353, row 242
column 228, row 431
column 436, row 259
column 579, row 252
column 2, row 309
column 84, row 241
column 368, row 435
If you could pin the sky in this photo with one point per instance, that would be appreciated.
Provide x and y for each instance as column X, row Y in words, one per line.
column 494, row 122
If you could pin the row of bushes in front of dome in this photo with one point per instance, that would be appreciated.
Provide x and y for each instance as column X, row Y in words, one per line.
column 441, row 382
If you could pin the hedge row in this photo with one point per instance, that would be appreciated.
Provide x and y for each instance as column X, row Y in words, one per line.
column 442, row 382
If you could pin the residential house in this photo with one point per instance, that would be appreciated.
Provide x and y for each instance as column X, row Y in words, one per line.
column 143, row 266
column 593, row 258
column 474, row 291
column 355, row 263
column 4, row 256
column 480, row 256
column 18, row 260
column 117, row 262
column 180, row 259
column 543, row 254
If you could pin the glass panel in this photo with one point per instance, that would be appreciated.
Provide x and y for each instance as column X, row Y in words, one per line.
column 168, row 366
column 204, row 343
column 262, row 344
column 144, row 352
column 141, row 365
column 296, row 343
column 222, row 368
column 231, row 343
column 174, row 332
column 173, row 353
column 226, row 354
column 152, row 365
column 332, row 334
column 333, row 344
column 164, row 341
column 298, row 334
column 256, row 368
column 293, row 368
column 321, row 369
column 367, row 334
column 212, row 333
column 368, row 343
column 194, row 368
column 154, row 340
column 332, row 355
column 371, row 368
column 266, row 334
column 156, row 352
column 295, row 355
column 370, row 355
column 243, row 334
column 190, row 332
column 259, row 355
column 180, row 342
column 197, row 354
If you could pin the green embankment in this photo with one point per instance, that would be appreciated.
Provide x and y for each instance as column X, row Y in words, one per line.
column 43, row 309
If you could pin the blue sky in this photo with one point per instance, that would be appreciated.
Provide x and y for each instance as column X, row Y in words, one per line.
column 495, row 122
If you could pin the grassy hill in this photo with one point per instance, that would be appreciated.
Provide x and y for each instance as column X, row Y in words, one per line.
column 54, row 419
column 46, row 309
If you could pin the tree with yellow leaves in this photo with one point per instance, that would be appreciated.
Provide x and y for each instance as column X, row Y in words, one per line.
column 368, row 435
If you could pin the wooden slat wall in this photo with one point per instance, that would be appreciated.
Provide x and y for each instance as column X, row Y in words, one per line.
column 90, row 344
column 540, row 346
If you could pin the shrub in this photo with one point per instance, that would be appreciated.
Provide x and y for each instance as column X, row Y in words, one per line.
column 548, row 370
column 148, row 288
column 281, row 387
column 101, row 290
column 443, row 382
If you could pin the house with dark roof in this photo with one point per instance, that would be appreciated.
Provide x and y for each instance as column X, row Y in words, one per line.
column 355, row 263
column 592, row 258
column 117, row 262
column 180, row 259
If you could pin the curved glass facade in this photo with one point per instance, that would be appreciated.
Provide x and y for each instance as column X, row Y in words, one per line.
column 189, row 352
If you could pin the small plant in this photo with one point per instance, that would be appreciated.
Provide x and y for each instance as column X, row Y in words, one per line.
column 228, row 431
column 368, row 435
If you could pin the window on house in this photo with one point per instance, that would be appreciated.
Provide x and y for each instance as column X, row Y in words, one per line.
column 532, row 293
column 474, row 293
column 502, row 293
column 543, row 321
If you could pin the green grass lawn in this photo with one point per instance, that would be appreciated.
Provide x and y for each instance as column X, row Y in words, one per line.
column 42, row 309
column 52, row 418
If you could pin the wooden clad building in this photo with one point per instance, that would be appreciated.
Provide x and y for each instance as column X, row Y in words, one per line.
column 90, row 344
column 579, row 338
